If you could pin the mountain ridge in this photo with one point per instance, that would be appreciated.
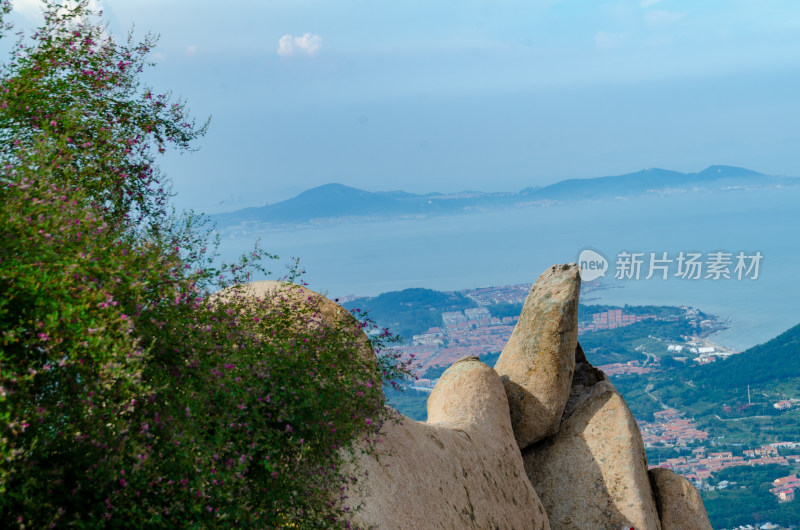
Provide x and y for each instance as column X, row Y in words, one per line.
column 335, row 200
column 774, row 360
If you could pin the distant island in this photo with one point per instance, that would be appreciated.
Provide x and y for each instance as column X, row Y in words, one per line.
column 337, row 202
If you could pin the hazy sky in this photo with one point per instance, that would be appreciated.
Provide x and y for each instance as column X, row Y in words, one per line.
column 428, row 95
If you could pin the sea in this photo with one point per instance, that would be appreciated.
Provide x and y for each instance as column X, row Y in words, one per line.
column 510, row 246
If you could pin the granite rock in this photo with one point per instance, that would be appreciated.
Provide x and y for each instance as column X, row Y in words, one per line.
column 461, row 469
column 678, row 501
column 537, row 364
column 593, row 472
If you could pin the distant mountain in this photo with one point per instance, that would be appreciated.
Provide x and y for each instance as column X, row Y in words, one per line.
column 330, row 200
column 339, row 201
column 648, row 180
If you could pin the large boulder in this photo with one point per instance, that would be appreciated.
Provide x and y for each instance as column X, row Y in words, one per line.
column 462, row 469
column 678, row 501
column 593, row 472
column 537, row 364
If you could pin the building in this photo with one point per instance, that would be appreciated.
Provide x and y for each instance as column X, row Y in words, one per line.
column 453, row 317
column 784, row 487
column 478, row 313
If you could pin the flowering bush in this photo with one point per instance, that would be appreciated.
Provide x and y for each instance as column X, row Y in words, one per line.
column 129, row 396
column 71, row 359
column 73, row 93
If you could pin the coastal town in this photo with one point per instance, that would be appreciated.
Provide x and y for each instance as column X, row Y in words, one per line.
column 671, row 429
column 476, row 332
column 471, row 332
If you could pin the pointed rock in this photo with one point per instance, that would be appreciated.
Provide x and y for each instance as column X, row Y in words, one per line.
column 593, row 472
column 537, row 364
column 463, row 469
column 678, row 501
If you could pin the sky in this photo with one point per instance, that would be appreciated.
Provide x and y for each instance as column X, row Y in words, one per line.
column 452, row 95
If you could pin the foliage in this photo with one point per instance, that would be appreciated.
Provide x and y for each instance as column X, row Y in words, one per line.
column 5, row 9
column 619, row 345
column 70, row 362
column 775, row 360
column 503, row 310
column 747, row 499
column 72, row 94
column 128, row 395
column 412, row 311
column 632, row 386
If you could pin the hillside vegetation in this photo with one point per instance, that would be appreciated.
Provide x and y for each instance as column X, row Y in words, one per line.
column 775, row 360
column 412, row 311
column 716, row 395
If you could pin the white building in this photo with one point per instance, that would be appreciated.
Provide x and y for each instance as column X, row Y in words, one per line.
column 478, row 313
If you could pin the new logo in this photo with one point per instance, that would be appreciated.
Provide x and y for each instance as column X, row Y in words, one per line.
column 592, row 264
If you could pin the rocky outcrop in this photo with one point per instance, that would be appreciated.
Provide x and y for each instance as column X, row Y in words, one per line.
column 679, row 503
column 593, row 472
column 537, row 364
column 542, row 441
column 462, row 469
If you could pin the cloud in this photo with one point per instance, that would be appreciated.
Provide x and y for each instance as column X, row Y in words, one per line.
column 660, row 17
column 648, row 3
column 308, row 44
column 32, row 9
column 606, row 40
column 190, row 50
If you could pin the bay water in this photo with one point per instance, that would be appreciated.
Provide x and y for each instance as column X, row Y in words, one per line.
column 500, row 247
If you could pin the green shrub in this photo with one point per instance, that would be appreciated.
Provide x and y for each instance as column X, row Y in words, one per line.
column 72, row 95
column 71, row 361
column 129, row 396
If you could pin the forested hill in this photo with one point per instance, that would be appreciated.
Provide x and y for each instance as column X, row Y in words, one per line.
column 411, row 311
column 774, row 360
